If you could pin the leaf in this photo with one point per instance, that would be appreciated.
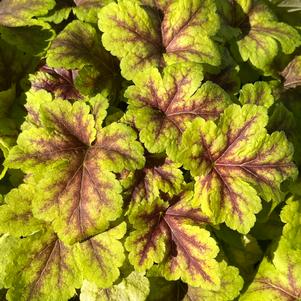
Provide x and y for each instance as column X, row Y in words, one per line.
column 277, row 280
column 231, row 284
column 163, row 106
column 158, row 175
column 292, row 73
column 31, row 39
column 16, row 216
column 14, row 13
column 291, row 5
column 260, row 45
column 134, row 287
column 258, row 93
column 86, row 10
column 139, row 38
column 42, row 268
column 290, row 215
column 58, row 81
column 171, row 233
column 77, row 45
column 234, row 162
column 100, row 257
column 77, row 192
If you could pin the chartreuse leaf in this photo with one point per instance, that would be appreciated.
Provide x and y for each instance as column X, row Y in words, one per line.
column 163, row 105
column 100, row 256
column 134, row 287
column 138, row 37
column 292, row 73
column 231, row 284
column 265, row 36
column 235, row 162
column 15, row 13
column 16, row 216
column 42, row 267
column 291, row 216
column 77, row 45
column 279, row 280
column 259, row 93
column 75, row 159
column 171, row 233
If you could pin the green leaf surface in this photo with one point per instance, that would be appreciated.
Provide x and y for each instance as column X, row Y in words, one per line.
column 171, row 233
column 100, row 257
column 278, row 280
column 162, row 106
column 14, row 13
column 258, row 93
column 231, row 284
column 266, row 37
column 39, row 264
column 78, row 191
column 139, row 38
column 234, row 162
column 16, row 216
column 134, row 287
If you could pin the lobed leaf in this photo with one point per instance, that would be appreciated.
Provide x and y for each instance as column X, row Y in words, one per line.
column 171, row 233
column 134, row 287
column 163, row 106
column 139, row 38
column 74, row 161
column 235, row 162
column 277, row 280
column 14, row 13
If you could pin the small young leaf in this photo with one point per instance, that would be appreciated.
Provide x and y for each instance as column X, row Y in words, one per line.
column 259, row 94
column 231, row 284
column 292, row 73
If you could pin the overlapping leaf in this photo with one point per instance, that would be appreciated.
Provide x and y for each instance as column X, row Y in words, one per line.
column 162, row 106
column 58, row 81
column 172, row 234
column 22, row 12
column 231, row 284
column 158, row 175
column 292, row 73
column 277, row 280
column 140, row 39
column 16, row 216
column 100, row 256
column 234, row 163
column 258, row 93
column 291, row 215
column 40, row 263
column 134, row 287
column 264, row 37
column 75, row 157
column 79, row 45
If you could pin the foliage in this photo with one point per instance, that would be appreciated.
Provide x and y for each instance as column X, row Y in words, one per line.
column 150, row 150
